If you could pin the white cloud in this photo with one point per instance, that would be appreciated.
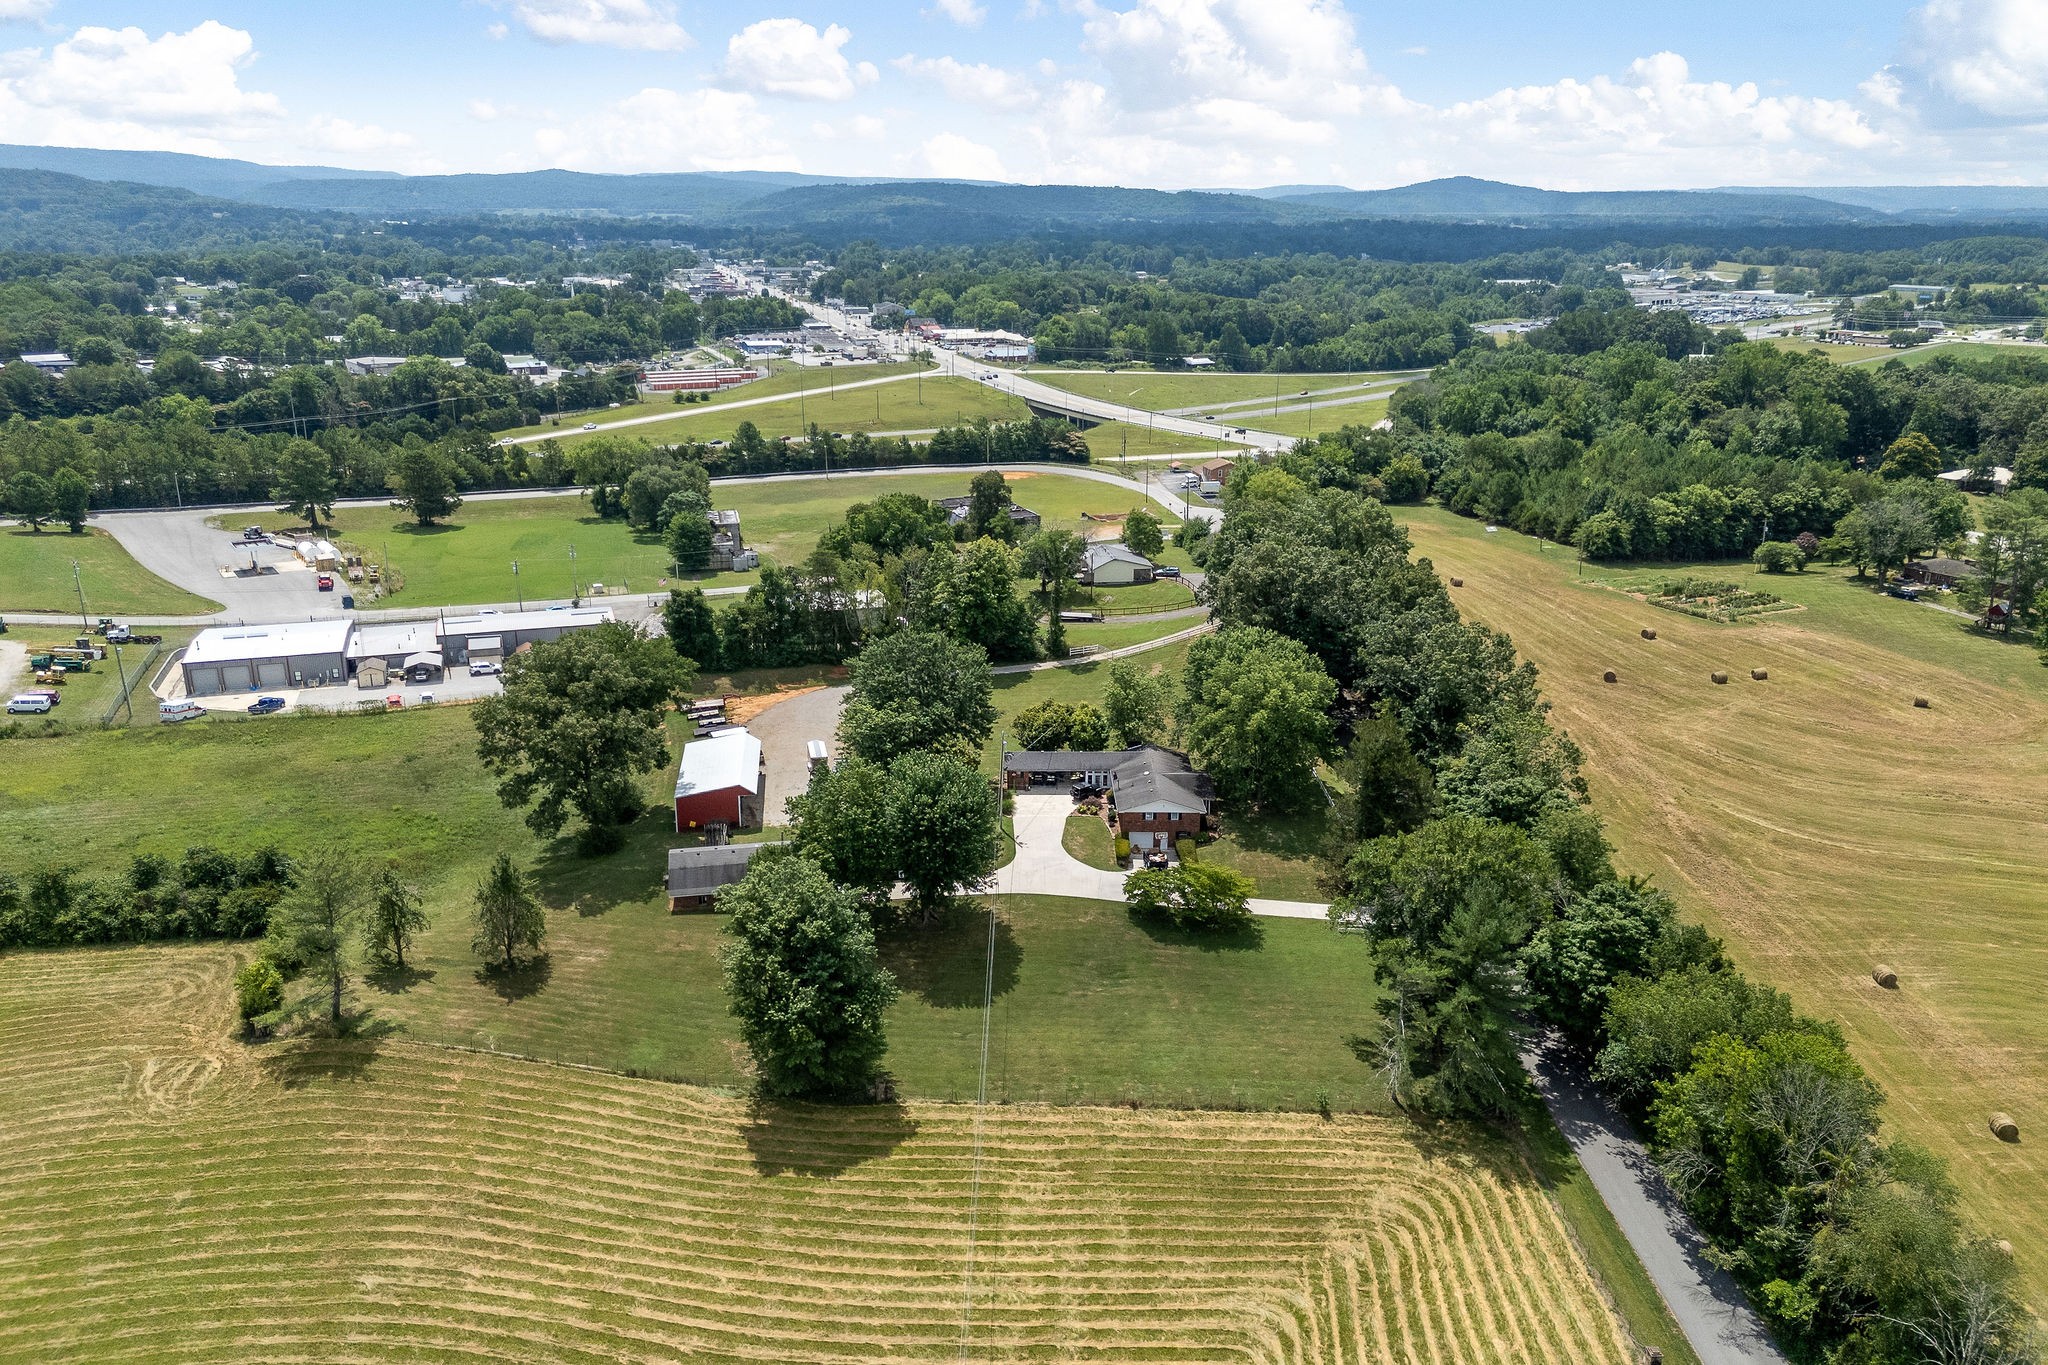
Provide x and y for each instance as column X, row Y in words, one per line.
column 646, row 25
column 1614, row 130
column 497, row 32
column 859, row 128
column 488, row 111
column 1884, row 89
column 1415, row 51
column 950, row 156
column 976, row 83
column 1296, row 55
column 716, row 130
column 959, row 11
column 340, row 135
column 1989, row 54
column 789, row 57
column 23, row 11
column 121, row 88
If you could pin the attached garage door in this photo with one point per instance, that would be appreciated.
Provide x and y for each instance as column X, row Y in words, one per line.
column 203, row 682
column 271, row 673
column 236, row 677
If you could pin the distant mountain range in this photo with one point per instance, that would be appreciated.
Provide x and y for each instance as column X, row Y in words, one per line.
column 765, row 199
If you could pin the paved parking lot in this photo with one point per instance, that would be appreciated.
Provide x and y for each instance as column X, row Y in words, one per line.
column 457, row 686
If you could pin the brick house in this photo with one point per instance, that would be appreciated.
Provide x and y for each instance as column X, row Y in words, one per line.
column 1157, row 795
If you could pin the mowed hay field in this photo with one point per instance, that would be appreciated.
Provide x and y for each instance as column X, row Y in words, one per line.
column 168, row 1193
column 1823, row 825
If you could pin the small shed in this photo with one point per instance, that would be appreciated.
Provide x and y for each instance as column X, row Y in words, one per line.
column 696, row 875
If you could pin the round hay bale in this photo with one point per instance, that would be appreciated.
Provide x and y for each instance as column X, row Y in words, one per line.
column 1609, row 676
column 2004, row 1128
column 1922, row 703
column 1720, row 678
column 1649, row 634
column 1760, row 675
column 2003, row 1248
column 1885, row 977
column 1457, row 582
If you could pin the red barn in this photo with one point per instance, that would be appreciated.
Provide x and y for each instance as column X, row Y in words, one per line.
column 720, row 781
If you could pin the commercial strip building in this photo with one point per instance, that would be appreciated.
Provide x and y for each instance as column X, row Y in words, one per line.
column 696, row 381
column 262, row 658
column 497, row 635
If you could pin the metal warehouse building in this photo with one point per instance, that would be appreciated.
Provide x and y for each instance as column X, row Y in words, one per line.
column 253, row 658
column 499, row 634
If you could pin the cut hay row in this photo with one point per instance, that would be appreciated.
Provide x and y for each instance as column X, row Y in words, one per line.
column 168, row 1193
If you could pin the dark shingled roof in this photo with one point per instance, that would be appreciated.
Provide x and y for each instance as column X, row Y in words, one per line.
column 701, row 871
column 1140, row 776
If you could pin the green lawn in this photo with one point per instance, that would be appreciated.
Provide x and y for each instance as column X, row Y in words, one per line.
column 1323, row 418
column 469, row 559
column 1281, row 854
column 1115, row 634
column 1110, row 441
column 1015, row 692
column 1087, row 838
column 785, row 378
column 903, row 405
column 1162, row 391
column 1089, row 1006
column 88, row 697
column 35, row 575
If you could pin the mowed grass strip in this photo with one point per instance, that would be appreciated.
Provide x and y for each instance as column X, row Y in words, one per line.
column 35, row 575
column 166, row 1192
column 469, row 558
column 1822, row 823
column 1161, row 391
column 1089, row 1006
column 785, row 379
column 900, row 405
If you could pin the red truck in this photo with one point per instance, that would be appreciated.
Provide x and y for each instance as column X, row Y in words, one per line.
column 325, row 582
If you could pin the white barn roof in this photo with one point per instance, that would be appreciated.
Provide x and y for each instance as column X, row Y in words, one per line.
column 732, row 759
column 233, row 644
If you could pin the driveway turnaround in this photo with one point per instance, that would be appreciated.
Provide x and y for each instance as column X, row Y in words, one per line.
column 1708, row 1305
column 1043, row 867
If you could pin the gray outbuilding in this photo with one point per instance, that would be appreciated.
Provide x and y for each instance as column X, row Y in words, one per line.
column 498, row 635
column 264, row 658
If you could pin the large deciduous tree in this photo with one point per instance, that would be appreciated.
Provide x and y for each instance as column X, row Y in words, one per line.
column 29, row 499
column 1195, row 896
column 1254, row 712
column 305, row 485
column 70, row 498
column 424, row 479
column 804, row 980
column 945, row 827
column 917, row 691
column 988, row 508
column 687, row 620
column 578, row 720
column 1134, row 704
column 1142, row 533
column 689, row 531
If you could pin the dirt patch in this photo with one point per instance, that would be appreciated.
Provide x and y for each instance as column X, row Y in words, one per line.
column 742, row 710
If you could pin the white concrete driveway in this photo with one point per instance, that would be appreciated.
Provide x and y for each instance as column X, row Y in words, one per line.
column 1043, row 867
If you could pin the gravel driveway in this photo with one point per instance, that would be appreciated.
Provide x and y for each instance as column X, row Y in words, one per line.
column 785, row 729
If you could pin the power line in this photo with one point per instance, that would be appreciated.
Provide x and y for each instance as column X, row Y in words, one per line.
column 988, row 991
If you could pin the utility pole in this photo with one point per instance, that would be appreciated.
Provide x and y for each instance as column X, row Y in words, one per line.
column 83, row 620
column 575, row 584
column 516, row 588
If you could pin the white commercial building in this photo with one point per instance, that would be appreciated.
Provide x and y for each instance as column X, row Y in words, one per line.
column 258, row 658
column 499, row 634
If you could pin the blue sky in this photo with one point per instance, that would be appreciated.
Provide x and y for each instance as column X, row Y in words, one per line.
column 1591, row 94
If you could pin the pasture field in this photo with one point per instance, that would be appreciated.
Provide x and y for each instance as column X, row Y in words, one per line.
column 784, row 378
column 167, row 1192
column 1821, row 823
column 35, row 575
column 469, row 559
column 1162, row 391
column 1089, row 1006
column 905, row 405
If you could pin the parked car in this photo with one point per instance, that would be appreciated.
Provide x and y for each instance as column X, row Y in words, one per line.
column 263, row 706
column 590, row 426
column 52, row 693
column 485, row 668
column 325, row 582
column 30, row 704
column 1905, row 592
column 1167, row 570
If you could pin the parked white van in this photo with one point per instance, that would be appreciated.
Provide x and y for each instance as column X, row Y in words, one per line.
column 184, row 708
column 29, row 704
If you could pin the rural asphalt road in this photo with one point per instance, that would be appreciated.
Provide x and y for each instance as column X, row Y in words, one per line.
column 1707, row 1304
